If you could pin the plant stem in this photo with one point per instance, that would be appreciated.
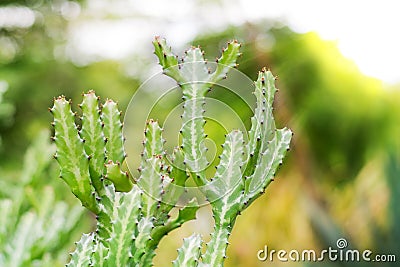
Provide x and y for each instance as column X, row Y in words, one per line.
column 216, row 248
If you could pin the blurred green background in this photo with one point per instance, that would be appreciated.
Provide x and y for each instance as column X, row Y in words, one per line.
column 340, row 180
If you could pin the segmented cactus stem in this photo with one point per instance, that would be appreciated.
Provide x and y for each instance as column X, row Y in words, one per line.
column 132, row 218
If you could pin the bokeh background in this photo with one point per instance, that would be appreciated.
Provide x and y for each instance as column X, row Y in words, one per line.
column 337, row 68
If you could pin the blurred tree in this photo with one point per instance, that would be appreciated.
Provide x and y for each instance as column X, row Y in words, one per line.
column 34, row 65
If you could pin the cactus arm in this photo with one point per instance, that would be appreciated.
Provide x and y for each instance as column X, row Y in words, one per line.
column 99, row 256
column 189, row 253
column 124, row 225
column 227, row 60
column 120, row 179
column 111, row 118
column 190, row 76
column 262, row 123
column 265, row 94
column 178, row 172
column 265, row 151
column 216, row 248
column 92, row 133
column 268, row 164
column 109, row 203
column 153, row 143
column 151, row 169
column 226, row 208
column 141, row 254
column 267, row 145
column 150, row 182
column 185, row 214
column 227, row 179
column 18, row 246
column 81, row 257
column 167, row 60
column 173, row 187
column 194, row 88
column 115, row 153
column 71, row 154
column 6, row 219
column 195, row 80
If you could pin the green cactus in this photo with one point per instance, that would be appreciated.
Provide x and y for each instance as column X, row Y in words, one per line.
column 130, row 222
column 189, row 253
column 246, row 170
column 132, row 218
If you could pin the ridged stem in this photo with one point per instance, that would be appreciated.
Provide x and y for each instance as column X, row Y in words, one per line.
column 216, row 249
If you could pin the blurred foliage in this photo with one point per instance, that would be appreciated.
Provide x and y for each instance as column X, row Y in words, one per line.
column 37, row 228
column 6, row 109
column 35, row 72
column 343, row 176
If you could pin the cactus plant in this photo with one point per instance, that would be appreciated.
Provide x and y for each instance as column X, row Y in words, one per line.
column 133, row 215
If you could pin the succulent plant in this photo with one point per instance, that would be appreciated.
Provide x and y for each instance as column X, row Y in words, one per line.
column 133, row 215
